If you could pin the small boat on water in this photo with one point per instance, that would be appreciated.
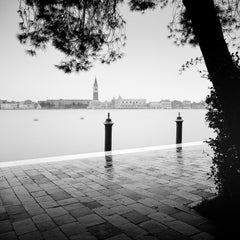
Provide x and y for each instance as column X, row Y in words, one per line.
column 35, row 119
column 81, row 118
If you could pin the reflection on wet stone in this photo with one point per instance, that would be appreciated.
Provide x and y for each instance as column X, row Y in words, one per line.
column 179, row 155
column 179, row 150
column 109, row 170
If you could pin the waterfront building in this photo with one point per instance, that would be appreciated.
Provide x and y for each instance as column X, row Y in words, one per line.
column 65, row 103
column 28, row 104
column 155, row 105
column 177, row 104
column 198, row 105
column 166, row 104
column 186, row 104
column 130, row 103
column 9, row 105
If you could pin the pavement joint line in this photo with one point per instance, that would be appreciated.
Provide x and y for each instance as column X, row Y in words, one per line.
column 95, row 154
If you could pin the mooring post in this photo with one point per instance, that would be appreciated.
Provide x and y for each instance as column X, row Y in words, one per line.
column 108, row 133
column 179, row 122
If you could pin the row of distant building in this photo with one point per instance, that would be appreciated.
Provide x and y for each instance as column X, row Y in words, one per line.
column 119, row 103
column 115, row 103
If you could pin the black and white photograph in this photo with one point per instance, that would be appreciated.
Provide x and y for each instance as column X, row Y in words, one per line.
column 119, row 119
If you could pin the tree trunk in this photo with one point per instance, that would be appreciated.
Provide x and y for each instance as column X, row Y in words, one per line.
column 222, row 70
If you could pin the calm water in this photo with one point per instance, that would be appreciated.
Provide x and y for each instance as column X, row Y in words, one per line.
column 62, row 132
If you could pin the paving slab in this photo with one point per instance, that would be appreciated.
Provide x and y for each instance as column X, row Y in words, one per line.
column 140, row 195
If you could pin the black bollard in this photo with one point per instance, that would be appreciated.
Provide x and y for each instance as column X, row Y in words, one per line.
column 108, row 133
column 179, row 122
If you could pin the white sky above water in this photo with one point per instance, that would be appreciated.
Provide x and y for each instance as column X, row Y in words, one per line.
column 149, row 69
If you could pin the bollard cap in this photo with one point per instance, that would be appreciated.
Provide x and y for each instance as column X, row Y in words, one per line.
column 179, row 118
column 108, row 120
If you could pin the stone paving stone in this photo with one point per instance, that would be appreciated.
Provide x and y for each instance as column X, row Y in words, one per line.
column 15, row 209
column 109, row 203
column 30, row 205
column 19, row 217
column 48, row 204
column 35, row 211
column 183, row 201
column 41, row 218
column 182, row 227
column 130, row 194
column 57, row 211
column 73, row 206
column 149, row 202
column 5, row 226
column 60, row 196
column 147, row 238
column 133, row 231
column 187, row 195
column 170, row 234
column 103, row 211
column 83, row 236
column 73, row 228
column 117, row 196
column 107, row 192
column 121, row 209
column 39, row 194
column 167, row 209
column 93, row 204
column 125, row 201
column 80, row 212
column 141, row 208
column 203, row 236
column 67, row 201
column 45, row 198
column 54, row 234
column 2, row 208
column 189, row 218
column 119, row 237
column 31, row 236
column 24, row 226
column 113, row 186
column 203, row 194
column 117, row 220
column 46, row 225
column 152, row 226
column 8, row 236
column 93, row 194
column 63, row 219
column 3, row 216
column 103, row 231
column 135, row 217
column 91, row 220
column 84, row 199
column 161, row 217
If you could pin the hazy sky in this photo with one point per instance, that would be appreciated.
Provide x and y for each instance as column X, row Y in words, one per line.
column 148, row 70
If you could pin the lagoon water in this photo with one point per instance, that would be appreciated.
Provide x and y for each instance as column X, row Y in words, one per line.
column 63, row 132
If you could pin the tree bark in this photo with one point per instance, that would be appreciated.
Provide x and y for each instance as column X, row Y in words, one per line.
column 223, row 72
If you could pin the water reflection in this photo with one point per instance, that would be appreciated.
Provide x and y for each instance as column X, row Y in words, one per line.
column 179, row 148
column 109, row 169
column 179, row 153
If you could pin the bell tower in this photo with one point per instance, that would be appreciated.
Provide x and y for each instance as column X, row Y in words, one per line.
column 95, row 90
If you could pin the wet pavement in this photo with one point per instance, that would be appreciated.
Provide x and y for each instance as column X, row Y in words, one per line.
column 145, row 195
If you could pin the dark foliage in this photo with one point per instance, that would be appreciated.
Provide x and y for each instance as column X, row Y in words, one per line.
column 226, row 165
column 90, row 30
column 84, row 30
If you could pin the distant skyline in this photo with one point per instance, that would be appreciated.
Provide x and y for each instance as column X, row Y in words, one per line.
column 148, row 70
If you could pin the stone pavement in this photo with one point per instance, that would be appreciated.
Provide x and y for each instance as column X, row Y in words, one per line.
column 138, row 196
